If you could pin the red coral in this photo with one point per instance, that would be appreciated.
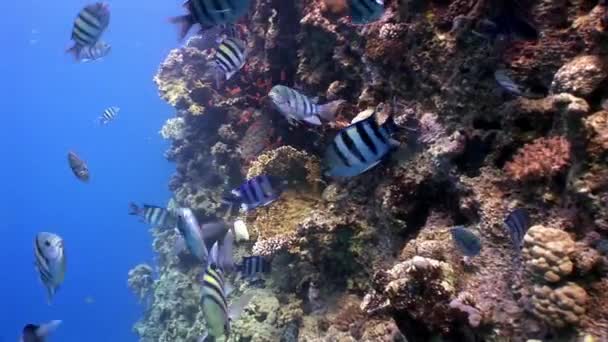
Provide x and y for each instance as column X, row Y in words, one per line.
column 542, row 158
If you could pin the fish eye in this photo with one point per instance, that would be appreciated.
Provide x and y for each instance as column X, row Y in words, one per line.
column 47, row 243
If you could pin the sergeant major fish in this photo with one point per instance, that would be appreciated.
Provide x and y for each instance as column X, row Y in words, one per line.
column 517, row 224
column 78, row 166
column 89, row 25
column 209, row 13
column 229, row 58
column 255, row 192
column 215, row 305
column 297, row 107
column 91, row 53
column 365, row 11
column 359, row 147
column 252, row 266
column 108, row 115
column 50, row 261
column 153, row 215
column 188, row 226
column 38, row 333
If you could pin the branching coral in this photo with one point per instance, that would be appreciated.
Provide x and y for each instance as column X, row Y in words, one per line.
column 543, row 158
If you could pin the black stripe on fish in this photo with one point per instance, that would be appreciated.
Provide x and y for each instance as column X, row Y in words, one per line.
column 366, row 139
column 339, row 153
column 90, row 19
column 351, row 146
column 376, row 129
column 250, row 187
column 517, row 222
column 233, row 55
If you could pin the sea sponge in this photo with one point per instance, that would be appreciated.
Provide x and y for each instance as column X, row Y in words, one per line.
column 560, row 306
column 546, row 253
column 542, row 158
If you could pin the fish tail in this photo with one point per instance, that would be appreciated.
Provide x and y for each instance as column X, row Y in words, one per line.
column 134, row 209
column 328, row 111
column 185, row 23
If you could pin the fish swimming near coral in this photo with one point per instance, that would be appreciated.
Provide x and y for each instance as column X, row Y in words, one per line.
column 359, row 147
column 256, row 192
column 252, row 266
column 50, row 261
column 365, row 11
column 209, row 13
column 466, row 241
column 222, row 252
column 108, row 115
column 188, row 226
column 297, row 107
column 38, row 333
column 89, row 26
column 78, row 166
column 218, row 315
column 229, row 58
column 92, row 53
column 213, row 37
column 517, row 223
column 507, row 83
column 154, row 215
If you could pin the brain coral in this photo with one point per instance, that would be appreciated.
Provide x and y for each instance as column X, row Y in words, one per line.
column 559, row 306
column 547, row 251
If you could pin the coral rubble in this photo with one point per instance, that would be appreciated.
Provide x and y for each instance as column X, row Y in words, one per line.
column 370, row 258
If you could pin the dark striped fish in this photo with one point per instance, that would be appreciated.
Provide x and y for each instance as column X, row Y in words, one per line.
column 466, row 241
column 89, row 25
column 297, row 107
column 78, row 166
column 215, row 306
column 108, row 115
column 209, row 13
column 255, row 192
column 507, row 83
column 517, row 223
column 252, row 266
column 229, row 58
column 50, row 261
column 213, row 37
column 91, row 53
column 359, row 147
column 153, row 215
column 365, row 11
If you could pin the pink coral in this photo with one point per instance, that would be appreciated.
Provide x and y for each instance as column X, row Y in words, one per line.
column 542, row 158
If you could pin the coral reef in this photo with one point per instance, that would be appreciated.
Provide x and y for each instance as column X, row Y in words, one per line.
column 140, row 281
column 370, row 258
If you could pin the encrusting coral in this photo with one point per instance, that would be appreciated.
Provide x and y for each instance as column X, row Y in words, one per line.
column 542, row 158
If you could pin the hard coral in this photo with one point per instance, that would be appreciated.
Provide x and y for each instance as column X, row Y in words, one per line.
column 140, row 280
column 543, row 158
column 597, row 133
column 547, row 252
column 559, row 307
column 581, row 76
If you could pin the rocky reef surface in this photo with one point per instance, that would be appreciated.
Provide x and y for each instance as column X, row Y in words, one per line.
column 370, row 258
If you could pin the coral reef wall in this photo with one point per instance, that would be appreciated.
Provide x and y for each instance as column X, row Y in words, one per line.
column 370, row 258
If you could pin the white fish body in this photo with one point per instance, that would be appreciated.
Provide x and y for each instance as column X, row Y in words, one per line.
column 50, row 261
column 188, row 226
column 240, row 231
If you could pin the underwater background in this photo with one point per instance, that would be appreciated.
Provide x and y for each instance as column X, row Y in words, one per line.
column 51, row 104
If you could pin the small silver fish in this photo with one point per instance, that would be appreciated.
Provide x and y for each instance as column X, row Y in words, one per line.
column 50, row 261
column 507, row 83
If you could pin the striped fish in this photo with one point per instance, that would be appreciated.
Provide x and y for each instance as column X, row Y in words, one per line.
column 229, row 58
column 89, row 25
column 91, row 53
column 188, row 226
column 50, row 261
column 252, row 266
column 507, row 83
column 209, row 13
column 359, row 147
column 466, row 241
column 255, row 192
column 79, row 167
column 153, row 215
column 108, row 115
column 297, row 107
column 365, row 11
column 215, row 306
column 517, row 224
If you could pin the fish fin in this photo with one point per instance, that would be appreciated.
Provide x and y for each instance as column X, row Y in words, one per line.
column 315, row 99
column 328, row 111
column 185, row 23
column 50, row 292
column 213, row 254
column 46, row 329
column 134, row 209
column 226, row 261
column 313, row 120
column 240, row 231
column 237, row 307
column 394, row 143
column 74, row 51
column 228, row 288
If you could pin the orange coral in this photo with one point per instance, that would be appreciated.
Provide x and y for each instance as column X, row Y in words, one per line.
column 542, row 158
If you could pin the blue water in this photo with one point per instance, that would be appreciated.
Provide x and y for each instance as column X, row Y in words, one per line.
column 49, row 104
